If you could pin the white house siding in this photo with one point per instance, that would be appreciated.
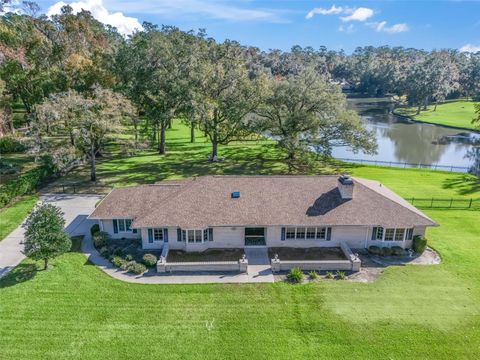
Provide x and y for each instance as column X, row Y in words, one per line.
column 107, row 226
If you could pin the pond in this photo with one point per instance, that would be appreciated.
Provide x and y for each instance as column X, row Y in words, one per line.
column 405, row 141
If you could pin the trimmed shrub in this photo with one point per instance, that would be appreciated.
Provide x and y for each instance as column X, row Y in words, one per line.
column 419, row 244
column 136, row 268
column 9, row 144
column 387, row 251
column 95, row 229
column 375, row 250
column 149, row 260
column 126, row 265
column 341, row 275
column 104, row 252
column 117, row 261
column 128, row 257
column 329, row 275
column 313, row 275
column 118, row 252
column 398, row 251
column 100, row 239
column 295, row 275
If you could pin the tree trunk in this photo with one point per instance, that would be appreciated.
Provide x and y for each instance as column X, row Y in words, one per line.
column 135, row 129
column 170, row 123
column 192, row 132
column 72, row 139
column 214, row 155
column 435, row 107
column 45, row 264
column 162, row 140
column 419, row 108
column 93, row 168
column 425, row 104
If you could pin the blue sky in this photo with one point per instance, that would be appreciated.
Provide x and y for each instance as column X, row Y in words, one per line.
column 280, row 24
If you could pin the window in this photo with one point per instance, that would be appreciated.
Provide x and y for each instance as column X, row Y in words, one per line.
column 379, row 233
column 300, row 233
column 399, row 233
column 409, row 234
column 290, row 233
column 205, row 235
column 191, row 236
column 321, row 233
column 122, row 225
column 389, row 234
column 184, row 235
column 158, row 234
column 311, row 233
column 198, row 236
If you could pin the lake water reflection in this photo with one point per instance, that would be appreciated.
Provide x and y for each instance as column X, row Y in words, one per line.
column 402, row 140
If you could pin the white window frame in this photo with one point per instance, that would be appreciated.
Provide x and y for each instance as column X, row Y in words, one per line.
column 124, row 224
column 157, row 231
column 320, row 233
column 394, row 236
column 197, row 234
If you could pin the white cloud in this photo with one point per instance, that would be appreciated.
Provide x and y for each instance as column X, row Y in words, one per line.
column 382, row 27
column 347, row 29
column 192, row 9
column 125, row 24
column 359, row 14
column 470, row 48
column 321, row 11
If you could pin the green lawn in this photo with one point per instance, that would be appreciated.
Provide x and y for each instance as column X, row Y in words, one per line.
column 455, row 113
column 74, row 310
column 12, row 216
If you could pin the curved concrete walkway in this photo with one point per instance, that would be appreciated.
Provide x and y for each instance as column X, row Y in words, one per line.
column 76, row 208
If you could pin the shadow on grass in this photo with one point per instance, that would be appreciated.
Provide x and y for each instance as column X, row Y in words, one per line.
column 463, row 184
column 20, row 274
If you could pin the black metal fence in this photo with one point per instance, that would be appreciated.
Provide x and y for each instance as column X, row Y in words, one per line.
column 452, row 168
column 445, row 203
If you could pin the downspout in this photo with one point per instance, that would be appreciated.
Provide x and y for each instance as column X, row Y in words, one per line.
column 366, row 237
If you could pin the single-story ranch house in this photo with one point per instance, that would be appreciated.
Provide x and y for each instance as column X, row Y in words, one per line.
column 270, row 211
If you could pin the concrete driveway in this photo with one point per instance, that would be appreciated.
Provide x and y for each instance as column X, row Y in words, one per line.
column 76, row 208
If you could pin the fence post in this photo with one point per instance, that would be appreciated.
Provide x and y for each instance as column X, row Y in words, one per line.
column 63, row 188
column 470, row 205
column 74, row 190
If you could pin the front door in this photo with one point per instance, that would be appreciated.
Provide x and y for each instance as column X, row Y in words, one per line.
column 255, row 236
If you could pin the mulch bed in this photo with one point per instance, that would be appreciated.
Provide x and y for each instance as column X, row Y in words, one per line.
column 318, row 253
column 207, row 255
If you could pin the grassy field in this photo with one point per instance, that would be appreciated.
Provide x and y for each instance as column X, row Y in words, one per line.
column 455, row 113
column 12, row 216
column 75, row 310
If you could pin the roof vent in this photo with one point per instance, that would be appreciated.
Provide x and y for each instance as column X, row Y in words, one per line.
column 235, row 194
column 345, row 186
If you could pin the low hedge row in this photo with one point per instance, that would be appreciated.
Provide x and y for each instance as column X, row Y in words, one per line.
column 22, row 185
column 10, row 144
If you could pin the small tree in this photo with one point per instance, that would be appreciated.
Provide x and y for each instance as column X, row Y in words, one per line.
column 45, row 237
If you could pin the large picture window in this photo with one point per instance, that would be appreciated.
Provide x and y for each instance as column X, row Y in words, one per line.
column 389, row 234
column 158, row 234
column 122, row 225
column 399, row 234
column 307, row 233
column 196, row 235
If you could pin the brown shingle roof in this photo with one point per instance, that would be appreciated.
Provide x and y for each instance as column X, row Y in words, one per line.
column 264, row 200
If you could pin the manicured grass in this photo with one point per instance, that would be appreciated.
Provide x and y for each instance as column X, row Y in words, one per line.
column 13, row 215
column 75, row 310
column 455, row 113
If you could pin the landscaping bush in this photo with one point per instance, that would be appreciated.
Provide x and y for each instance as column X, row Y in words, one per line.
column 94, row 229
column 375, row 250
column 329, row 275
column 398, row 251
column 100, row 239
column 313, row 275
column 136, row 268
column 9, row 144
column 22, row 185
column 126, row 265
column 128, row 257
column 295, row 275
column 117, row 261
column 118, row 252
column 341, row 275
column 7, row 168
column 149, row 260
column 419, row 244
column 104, row 252
column 387, row 251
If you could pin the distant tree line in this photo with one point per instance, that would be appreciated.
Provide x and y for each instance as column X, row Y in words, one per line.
column 80, row 78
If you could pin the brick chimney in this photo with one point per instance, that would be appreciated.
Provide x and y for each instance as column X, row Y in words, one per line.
column 345, row 187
